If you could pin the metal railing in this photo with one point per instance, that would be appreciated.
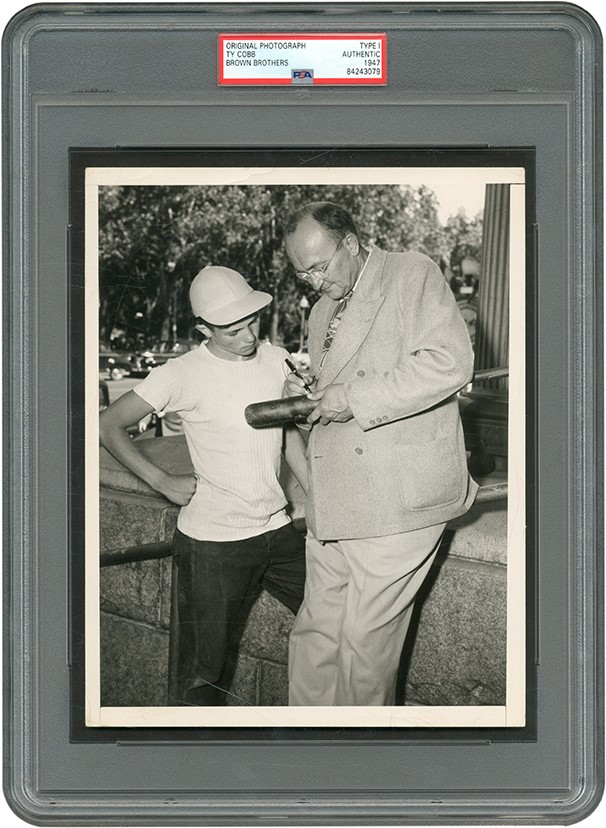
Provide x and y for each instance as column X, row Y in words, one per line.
column 490, row 373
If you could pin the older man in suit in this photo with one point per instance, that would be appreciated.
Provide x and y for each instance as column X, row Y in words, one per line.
column 386, row 456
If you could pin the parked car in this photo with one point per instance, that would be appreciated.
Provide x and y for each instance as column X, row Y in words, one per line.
column 114, row 364
column 159, row 352
column 163, row 350
column 141, row 363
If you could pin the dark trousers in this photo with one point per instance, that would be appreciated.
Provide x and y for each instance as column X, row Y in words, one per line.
column 217, row 584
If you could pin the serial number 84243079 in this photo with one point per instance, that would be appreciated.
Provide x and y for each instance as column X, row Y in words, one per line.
column 363, row 70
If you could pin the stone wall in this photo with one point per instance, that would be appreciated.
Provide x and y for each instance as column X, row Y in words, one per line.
column 455, row 653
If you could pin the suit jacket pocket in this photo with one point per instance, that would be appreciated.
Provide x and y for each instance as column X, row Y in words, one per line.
column 429, row 474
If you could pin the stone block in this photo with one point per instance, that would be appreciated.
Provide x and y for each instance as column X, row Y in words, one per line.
column 459, row 652
column 481, row 534
column 267, row 629
column 166, row 566
column 129, row 520
column 134, row 659
column 169, row 453
column 134, row 590
column 243, row 688
column 273, row 684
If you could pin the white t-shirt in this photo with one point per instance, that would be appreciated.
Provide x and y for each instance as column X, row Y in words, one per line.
column 238, row 493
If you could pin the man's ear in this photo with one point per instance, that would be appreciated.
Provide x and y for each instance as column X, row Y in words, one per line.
column 353, row 243
column 204, row 330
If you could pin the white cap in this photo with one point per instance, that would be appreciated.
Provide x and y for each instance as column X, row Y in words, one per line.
column 222, row 296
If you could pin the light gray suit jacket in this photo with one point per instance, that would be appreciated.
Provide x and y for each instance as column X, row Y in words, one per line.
column 402, row 351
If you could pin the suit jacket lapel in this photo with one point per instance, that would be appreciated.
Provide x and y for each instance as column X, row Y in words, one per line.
column 357, row 319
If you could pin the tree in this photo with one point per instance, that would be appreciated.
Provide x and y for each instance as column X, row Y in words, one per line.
column 154, row 239
column 464, row 238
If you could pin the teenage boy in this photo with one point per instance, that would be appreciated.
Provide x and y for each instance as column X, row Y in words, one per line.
column 233, row 532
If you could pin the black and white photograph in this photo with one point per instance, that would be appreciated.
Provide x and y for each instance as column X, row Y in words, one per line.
column 303, row 413
column 305, row 405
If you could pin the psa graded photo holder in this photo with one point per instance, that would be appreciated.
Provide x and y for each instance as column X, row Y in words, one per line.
column 303, row 414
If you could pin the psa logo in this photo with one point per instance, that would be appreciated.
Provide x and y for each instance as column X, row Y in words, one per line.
column 302, row 75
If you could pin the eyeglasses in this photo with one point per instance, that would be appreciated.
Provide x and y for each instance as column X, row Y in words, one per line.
column 317, row 272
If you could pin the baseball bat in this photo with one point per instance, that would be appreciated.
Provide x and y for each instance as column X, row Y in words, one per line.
column 277, row 412
column 297, row 409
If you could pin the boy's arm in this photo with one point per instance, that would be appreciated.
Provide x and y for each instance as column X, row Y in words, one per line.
column 113, row 422
column 294, row 454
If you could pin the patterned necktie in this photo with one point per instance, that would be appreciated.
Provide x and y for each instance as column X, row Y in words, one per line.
column 335, row 320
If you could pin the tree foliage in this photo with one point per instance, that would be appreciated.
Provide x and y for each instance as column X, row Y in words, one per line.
column 154, row 239
column 464, row 238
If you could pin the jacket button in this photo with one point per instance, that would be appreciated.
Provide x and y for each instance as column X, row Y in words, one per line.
column 361, row 373
column 372, row 422
column 359, row 451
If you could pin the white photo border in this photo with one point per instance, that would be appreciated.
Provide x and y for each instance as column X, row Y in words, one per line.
column 513, row 712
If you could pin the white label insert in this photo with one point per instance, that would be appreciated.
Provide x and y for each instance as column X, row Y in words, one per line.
column 302, row 59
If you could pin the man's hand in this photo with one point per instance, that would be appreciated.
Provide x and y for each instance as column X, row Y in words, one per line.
column 332, row 407
column 178, row 488
column 294, row 386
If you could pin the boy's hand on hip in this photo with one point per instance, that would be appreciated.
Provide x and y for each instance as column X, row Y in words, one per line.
column 179, row 488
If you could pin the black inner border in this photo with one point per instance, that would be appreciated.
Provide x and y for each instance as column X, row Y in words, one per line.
column 79, row 160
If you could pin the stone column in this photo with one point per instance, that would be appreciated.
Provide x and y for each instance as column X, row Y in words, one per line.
column 492, row 326
column 485, row 407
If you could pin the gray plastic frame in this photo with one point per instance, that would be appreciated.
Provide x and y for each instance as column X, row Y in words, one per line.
column 105, row 75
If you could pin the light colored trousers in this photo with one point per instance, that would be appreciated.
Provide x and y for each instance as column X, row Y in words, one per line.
column 347, row 639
